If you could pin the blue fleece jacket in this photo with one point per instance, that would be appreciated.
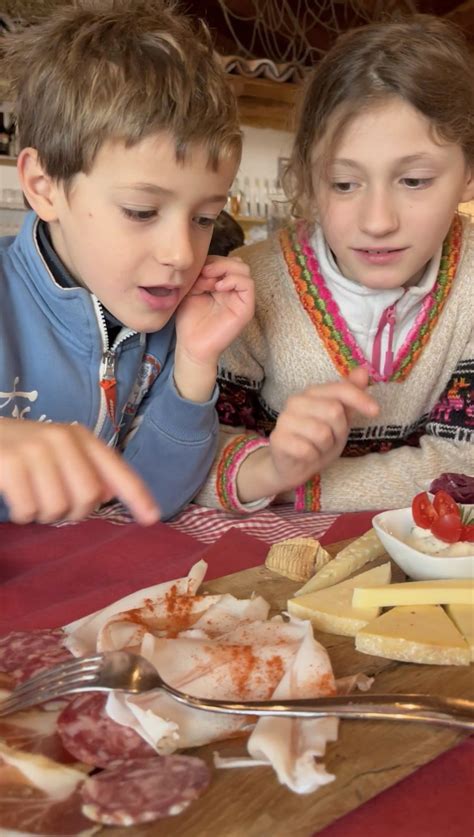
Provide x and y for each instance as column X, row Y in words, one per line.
column 54, row 353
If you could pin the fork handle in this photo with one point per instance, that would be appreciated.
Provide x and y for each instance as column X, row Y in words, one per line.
column 446, row 711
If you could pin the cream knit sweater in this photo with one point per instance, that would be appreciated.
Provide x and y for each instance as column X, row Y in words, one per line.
column 298, row 337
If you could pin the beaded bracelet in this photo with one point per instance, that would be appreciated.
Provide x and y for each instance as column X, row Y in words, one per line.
column 226, row 480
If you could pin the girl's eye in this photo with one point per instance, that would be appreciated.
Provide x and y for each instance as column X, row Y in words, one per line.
column 204, row 222
column 139, row 214
column 417, row 182
column 344, row 186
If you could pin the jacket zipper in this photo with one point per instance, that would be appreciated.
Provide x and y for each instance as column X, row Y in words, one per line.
column 107, row 379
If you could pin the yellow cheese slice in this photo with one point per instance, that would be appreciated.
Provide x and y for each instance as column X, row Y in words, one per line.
column 463, row 617
column 331, row 610
column 440, row 591
column 418, row 634
column 350, row 559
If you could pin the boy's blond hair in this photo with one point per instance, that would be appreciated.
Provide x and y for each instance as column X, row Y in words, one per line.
column 117, row 70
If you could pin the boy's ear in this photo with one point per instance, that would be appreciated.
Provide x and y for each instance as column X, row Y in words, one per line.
column 39, row 188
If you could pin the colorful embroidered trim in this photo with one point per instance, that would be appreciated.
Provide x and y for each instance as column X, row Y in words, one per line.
column 332, row 328
column 308, row 496
column 231, row 459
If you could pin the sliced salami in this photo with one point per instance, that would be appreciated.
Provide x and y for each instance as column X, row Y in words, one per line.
column 26, row 653
column 143, row 790
column 92, row 737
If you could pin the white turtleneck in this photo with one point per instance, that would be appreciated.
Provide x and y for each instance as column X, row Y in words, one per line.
column 364, row 309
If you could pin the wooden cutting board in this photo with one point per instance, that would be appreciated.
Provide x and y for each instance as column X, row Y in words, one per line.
column 368, row 756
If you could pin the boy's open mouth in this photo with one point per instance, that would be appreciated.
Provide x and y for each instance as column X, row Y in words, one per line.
column 159, row 290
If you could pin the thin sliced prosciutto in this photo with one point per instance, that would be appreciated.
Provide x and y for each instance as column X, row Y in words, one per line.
column 40, row 797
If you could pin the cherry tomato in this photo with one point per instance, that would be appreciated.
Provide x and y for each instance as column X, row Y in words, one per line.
column 467, row 533
column 423, row 511
column 447, row 528
column 444, row 504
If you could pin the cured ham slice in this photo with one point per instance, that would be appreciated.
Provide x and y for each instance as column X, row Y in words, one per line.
column 38, row 796
column 83, row 634
column 35, row 731
column 92, row 737
column 217, row 647
column 144, row 790
column 25, row 653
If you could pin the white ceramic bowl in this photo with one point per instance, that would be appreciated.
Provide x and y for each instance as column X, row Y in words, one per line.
column 393, row 527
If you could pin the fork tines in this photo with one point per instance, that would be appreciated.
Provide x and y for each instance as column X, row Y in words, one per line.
column 72, row 676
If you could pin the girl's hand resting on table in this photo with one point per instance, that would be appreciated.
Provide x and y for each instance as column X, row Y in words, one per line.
column 212, row 315
column 310, row 433
column 51, row 472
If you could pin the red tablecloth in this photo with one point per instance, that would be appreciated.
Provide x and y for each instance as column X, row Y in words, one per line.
column 50, row 576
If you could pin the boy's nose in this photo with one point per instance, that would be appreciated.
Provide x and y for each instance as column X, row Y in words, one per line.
column 174, row 248
column 379, row 213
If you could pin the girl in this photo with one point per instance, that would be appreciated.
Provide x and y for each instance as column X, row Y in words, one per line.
column 372, row 287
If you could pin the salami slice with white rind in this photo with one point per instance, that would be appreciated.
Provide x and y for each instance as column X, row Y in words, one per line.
column 144, row 790
column 92, row 737
column 26, row 653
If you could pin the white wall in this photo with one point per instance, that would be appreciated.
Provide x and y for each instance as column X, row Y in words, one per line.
column 262, row 147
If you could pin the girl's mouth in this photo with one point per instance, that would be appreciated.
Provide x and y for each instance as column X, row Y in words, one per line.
column 379, row 255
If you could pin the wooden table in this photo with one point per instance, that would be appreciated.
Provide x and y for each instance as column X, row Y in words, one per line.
column 368, row 757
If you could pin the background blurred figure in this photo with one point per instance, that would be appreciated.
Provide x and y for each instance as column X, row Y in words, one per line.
column 227, row 235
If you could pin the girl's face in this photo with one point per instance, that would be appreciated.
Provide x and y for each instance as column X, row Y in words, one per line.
column 388, row 195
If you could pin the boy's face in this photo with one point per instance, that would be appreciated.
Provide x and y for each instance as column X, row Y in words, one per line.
column 389, row 195
column 135, row 231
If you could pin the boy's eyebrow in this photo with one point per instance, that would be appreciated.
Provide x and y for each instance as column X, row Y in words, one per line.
column 153, row 189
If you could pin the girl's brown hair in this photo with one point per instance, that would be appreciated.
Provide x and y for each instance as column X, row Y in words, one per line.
column 423, row 59
column 116, row 69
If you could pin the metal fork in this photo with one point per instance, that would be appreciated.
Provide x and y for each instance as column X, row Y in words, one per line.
column 124, row 672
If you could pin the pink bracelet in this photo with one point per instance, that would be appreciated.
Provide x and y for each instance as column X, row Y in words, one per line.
column 231, row 459
column 308, row 495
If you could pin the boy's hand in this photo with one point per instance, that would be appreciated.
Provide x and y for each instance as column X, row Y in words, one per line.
column 213, row 314
column 51, row 472
column 310, row 433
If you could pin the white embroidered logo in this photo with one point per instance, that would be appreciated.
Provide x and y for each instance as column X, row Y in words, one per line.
column 9, row 397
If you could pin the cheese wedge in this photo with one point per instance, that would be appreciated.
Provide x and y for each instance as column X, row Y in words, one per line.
column 331, row 610
column 440, row 591
column 350, row 559
column 418, row 634
column 463, row 617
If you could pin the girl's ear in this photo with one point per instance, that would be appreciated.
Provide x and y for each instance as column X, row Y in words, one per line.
column 39, row 188
column 468, row 192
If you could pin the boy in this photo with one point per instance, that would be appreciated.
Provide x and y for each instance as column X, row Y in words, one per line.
column 129, row 144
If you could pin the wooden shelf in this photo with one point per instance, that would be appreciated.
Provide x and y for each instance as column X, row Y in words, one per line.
column 7, row 161
column 249, row 220
column 265, row 104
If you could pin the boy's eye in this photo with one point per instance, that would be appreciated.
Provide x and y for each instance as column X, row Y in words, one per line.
column 139, row 214
column 417, row 182
column 204, row 222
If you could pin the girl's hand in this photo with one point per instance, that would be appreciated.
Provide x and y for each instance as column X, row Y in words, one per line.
column 213, row 314
column 51, row 472
column 309, row 435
